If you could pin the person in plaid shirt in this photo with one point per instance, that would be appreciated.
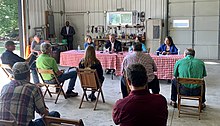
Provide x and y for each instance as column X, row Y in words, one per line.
column 20, row 99
column 146, row 60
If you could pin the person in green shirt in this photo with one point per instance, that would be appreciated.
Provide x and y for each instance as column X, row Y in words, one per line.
column 45, row 61
column 188, row 67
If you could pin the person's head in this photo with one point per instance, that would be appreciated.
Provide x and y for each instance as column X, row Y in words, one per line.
column 168, row 41
column 67, row 23
column 189, row 51
column 137, row 46
column 21, row 71
column 112, row 37
column 88, row 38
column 37, row 38
column 45, row 48
column 89, row 56
column 10, row 45
column 137, row 75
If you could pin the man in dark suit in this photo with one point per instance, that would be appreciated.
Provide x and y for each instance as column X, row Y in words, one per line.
column 67, row 32
column 113, row 45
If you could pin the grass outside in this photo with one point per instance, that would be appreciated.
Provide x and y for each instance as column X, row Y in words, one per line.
column 2, row 47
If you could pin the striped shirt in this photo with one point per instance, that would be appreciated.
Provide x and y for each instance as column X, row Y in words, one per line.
column 144, row 59
column 19, row 100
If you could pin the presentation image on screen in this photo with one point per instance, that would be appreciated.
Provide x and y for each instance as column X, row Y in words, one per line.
column 119, row 18
column 126, row 18
column 114, row 19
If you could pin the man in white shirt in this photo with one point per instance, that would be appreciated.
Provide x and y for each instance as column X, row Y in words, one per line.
column 67, row 32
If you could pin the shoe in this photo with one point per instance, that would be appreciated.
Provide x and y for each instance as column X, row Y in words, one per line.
column 57, row 90
column 71, row 94
column 174, row 104
column 92, row 97
column 203, row 106
column 108, row 71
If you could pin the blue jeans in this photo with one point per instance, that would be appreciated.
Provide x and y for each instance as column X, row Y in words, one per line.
column 185, row 91
column 40, row 121
column 32, row 65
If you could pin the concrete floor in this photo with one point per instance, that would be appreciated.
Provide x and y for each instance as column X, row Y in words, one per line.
column 69, row 108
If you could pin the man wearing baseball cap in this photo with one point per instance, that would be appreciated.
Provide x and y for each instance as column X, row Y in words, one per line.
column 8, row 57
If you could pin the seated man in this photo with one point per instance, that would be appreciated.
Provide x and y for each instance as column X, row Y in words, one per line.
column 113, row 45
column 146, row 60
column 8, row 57
column 45, row 61
column 20, row 99
column 188, row 67
column 140, row 108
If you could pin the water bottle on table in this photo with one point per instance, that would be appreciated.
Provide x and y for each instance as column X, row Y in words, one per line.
column 78, row 48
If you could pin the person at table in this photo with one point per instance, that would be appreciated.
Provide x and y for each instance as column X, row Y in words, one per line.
column 188, row 67
column 88, row 42
column 140, row 107
column 9, row 57
column 90, row 61
column 138, row 39
column 168, row 47
column 112, row 44
column 67, row 32
column 146, row 60
column 35, row 45
column 45, row 61
column 20, row 99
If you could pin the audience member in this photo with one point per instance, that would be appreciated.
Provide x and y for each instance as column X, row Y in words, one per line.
column 138, row 39
column 140, row 108
column 113, row 45
column 168, row 47
column 90, row 61
column 20, row 99
column 8, row 57
column 88, row 42
column 45, row 61
column 67, row 32
column 35, row 45
column 188, row 67
column 146, row 60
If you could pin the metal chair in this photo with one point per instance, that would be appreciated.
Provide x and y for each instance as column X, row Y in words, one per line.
column 7, row 69
column 54, row 121
column 185, row 81
column 90, row 82
column 57, row 84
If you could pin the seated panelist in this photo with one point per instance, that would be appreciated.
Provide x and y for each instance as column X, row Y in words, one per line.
column 113, row 45
column 88, row 42
column 168, row 47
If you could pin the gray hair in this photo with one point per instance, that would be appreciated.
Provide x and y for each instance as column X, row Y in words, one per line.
column 45, row 47
column 190, row 51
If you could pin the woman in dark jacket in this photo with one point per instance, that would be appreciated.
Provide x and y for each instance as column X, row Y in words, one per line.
column 168, row 47
column 90, row 61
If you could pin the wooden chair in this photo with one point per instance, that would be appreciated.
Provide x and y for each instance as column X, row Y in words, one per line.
column 184, row 81
column 54, row 121
column 7, row 69
column 7, row 123
column 57, row 84
column 89, row 82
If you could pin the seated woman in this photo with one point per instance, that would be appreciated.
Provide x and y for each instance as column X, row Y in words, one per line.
column 90, row 61
column 138, row 39
column 88, row 41
column 168, row 47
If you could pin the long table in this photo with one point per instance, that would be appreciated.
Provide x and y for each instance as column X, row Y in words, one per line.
column 165, row 64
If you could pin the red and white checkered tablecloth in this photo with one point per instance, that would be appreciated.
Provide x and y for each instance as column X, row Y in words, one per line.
column 73, row 57
column 165, row 63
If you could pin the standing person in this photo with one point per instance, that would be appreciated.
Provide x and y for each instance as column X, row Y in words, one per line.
column 88, row 42
column 45, row 61
column 188, row 67
column 67, row 32
column 168, row 47
column 90, row 61
column 8, row 57
column 140, row 108
column 146, row 60
column 20, row 99
column 112, row 44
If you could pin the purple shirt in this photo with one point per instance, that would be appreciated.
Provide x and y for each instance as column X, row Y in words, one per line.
column 140, row 108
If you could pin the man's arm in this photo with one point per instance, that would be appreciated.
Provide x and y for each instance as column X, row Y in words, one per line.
column 116, row 114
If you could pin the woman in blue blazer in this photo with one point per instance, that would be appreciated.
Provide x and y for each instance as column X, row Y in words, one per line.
column 168, row 47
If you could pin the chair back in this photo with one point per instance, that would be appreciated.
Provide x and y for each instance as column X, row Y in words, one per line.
column 89, row 78
column 48, row 71
column 54, row 121
column 7, row 123
column 7, row 69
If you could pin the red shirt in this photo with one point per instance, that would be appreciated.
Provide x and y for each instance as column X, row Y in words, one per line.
column 140, row 108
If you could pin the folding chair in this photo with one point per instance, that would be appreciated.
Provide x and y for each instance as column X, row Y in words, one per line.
column 7, row 70
column 57, row 84
column 184, row 81
column 54, row 121
column 7, row 123
column 90, row 82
